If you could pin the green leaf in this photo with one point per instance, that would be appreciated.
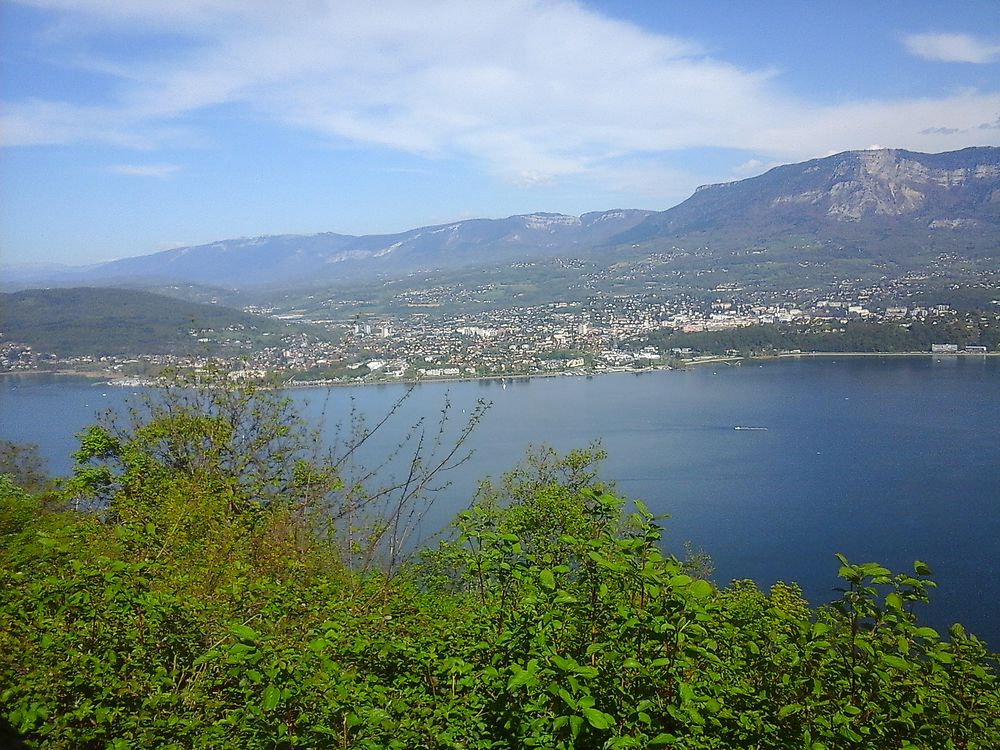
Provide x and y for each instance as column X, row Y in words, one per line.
column 663, row 739
column 575, row 725
column 895, row 662
column 239, row 650
column 567, row 665
column 597, row 719
column 847, row 572
column 701, row 589
column 547, row 579
column 921, row 568
column 271, row 697
column 686, row 692
column 874, row 570
column 244, row 633
column 567, row 698
column 519, row 678
column 791, row 708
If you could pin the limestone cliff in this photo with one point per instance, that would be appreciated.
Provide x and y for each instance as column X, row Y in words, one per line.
column 859, row 194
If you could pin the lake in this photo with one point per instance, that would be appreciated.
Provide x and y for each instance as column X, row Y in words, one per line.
column 888, row 459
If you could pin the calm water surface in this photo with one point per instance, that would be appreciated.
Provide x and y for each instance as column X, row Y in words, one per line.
column 887, row 459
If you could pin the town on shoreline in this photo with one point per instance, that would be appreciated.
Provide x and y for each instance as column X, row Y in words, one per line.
column 623, row 333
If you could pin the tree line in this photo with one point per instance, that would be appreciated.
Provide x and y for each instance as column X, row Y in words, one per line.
column 853, row 336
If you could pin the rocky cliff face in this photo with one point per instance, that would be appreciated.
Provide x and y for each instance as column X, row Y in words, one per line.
column 867, row 190
column 887, row 182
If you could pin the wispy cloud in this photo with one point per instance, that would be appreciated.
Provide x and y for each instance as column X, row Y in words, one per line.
column 962, row 48
column 753, row 167
column 534, row 90
column 39, row 123
column 144, row 170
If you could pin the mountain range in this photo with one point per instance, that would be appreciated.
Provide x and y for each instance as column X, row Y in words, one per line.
column 876, row 203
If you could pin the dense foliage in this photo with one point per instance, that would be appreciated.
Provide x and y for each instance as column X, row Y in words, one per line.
column 191, row 593
column 24, row 464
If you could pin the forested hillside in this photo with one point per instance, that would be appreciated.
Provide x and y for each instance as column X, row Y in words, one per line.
column 854, row 336
column 93, row 321
column 206, row 580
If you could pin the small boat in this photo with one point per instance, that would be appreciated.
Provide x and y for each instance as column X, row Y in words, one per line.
column 744, row 427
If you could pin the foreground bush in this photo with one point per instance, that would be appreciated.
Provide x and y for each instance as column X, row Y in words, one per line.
column 182, row 613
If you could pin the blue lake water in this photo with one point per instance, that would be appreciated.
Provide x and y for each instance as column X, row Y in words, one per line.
column 888, row 459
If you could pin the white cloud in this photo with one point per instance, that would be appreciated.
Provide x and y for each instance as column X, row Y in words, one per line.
column 938, row 124
column 752, row 167
column 536, row 90
column 36, row 123
column 952, row 48
column 144, row 170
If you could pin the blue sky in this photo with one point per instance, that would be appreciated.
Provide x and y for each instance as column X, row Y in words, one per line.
column 131, row 127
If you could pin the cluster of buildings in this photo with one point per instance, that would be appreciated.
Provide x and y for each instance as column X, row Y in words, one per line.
column 602, row 334
column 15, row 357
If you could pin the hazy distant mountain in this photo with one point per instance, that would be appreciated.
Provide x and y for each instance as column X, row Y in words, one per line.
column 880, row 199
column 876, row 203
column 24, row 275
column 296, row 259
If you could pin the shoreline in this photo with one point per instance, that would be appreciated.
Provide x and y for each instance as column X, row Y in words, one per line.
column 112, row 379
column 519, row 376
column 100, row 377
column 881, row 354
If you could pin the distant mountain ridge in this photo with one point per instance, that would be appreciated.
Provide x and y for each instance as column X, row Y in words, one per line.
column 297, row 259
column 887, row 201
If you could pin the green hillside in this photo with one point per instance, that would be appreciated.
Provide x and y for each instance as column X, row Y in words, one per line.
column 98, row 321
